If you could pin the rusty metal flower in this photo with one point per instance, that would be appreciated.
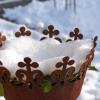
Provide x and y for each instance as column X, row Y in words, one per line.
column 65, row 73
column 2, row 39
column 28, row 73
column 75, row 35
column 66, row 61
column 52, row 33
column 22, row 32
column 1, row 63
column 4, row 75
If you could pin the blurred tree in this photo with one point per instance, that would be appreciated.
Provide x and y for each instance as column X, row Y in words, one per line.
column 55, row 3
column 66, row 4
column 70, row 4
column 74, row 6
column 42, row 0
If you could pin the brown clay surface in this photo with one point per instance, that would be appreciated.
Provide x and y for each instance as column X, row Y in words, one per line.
column 69, row 91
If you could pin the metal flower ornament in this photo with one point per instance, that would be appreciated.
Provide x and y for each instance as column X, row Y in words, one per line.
column 65, row 73
column 29, row 74
column 52, row 33
column 75, row 35
column 2, row 39
column 1, row 63
column 23, row 32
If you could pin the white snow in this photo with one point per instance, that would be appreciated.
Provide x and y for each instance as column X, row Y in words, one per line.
column 37, row 12
column 47, row 53
column 2, row 98
column 9, row 29
column 39, row 15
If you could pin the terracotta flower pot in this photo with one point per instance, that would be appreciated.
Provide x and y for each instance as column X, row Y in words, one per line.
column 69, row 91
column 66, row 83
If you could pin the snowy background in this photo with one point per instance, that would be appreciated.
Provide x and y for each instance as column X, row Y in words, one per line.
column 38, row 15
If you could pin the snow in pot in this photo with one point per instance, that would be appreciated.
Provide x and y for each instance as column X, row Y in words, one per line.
column 47, row 52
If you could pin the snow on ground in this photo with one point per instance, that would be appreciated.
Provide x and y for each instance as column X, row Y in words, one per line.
column 37, row 15
column 37, row 12
column 10, row 29
column 2, row 98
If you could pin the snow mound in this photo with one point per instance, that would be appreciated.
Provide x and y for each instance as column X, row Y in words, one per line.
column 2, row 98
column 47, row 53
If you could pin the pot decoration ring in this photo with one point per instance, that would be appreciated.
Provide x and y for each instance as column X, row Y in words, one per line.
column 65, row 83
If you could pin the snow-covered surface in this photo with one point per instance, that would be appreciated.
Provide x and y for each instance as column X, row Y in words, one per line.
column 2, row 98
column 15, row 49
column 38, row 15
column 87, row 19
column 37, row 12
column 10, row 29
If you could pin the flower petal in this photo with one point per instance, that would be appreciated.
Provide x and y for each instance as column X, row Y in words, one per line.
column 28, row 33
column 22, row 29
column 50, row 27
column 56, row 32
column 35, row 65
column 71, row 34
column 27, row 60
column 45, row 32
column 17, row 34
column 21, row 64
column 59, row 64
column 71, row 62
column 65, row 59
column 80, row 36
column 76, row 30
